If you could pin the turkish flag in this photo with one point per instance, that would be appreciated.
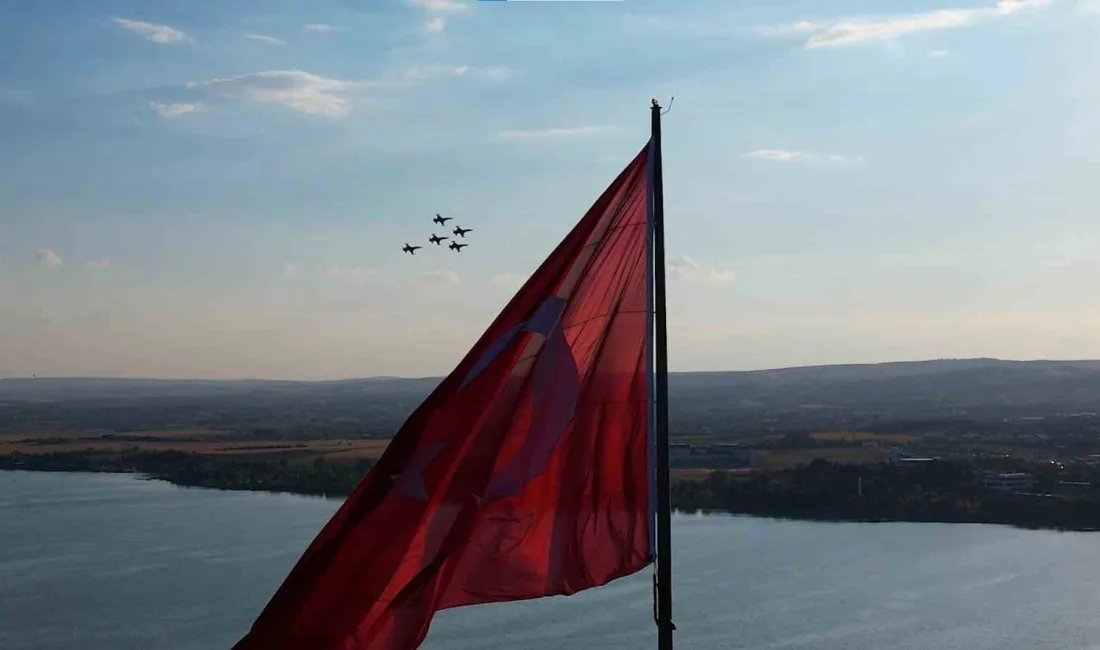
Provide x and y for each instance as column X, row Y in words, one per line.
column 526, row 473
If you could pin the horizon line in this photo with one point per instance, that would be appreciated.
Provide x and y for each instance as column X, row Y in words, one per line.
column 426, row 377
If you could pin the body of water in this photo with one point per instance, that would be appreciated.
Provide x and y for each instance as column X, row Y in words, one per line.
column 116, row 563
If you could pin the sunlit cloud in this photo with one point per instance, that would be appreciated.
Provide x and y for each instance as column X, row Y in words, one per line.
column 47, row 257
column 794, row 156
column 294, row 89
column 162, row 34
column 344, row 271
column 560, row 133
column 324, row 28
column 687, row 269
column 263, row 38
column 860, row 30
column 436, row 22
column 175, row 110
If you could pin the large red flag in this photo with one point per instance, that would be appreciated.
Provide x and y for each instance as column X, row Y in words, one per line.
column 526, row 473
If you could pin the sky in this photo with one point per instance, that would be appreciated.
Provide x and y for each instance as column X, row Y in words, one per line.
column 221, row 189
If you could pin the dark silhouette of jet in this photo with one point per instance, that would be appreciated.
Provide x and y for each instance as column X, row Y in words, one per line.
column 411, row 250
column 458, row 247
column 436, row 239
column 441, row 220
column 461, row 232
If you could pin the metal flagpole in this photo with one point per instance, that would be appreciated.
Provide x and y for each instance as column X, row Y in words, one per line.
column 664, row 506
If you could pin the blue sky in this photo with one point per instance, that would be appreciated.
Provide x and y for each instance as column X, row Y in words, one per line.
column 221, row 189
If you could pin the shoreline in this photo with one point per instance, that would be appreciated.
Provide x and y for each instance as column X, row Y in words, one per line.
column 323, row 480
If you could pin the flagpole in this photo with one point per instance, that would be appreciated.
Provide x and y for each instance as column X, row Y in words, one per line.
column 664, row 506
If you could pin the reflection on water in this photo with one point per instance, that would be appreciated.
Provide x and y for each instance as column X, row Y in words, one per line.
column 113, row 562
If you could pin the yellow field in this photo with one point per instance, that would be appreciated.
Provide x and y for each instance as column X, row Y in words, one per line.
column 342, row 449
column 854, row 436
column 81, row 434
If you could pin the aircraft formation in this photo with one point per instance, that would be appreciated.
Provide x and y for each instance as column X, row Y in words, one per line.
column 458, row 232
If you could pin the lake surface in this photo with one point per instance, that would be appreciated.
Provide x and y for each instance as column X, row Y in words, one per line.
column 114, row 562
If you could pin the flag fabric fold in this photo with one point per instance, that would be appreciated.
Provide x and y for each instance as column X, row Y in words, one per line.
column 526, row 473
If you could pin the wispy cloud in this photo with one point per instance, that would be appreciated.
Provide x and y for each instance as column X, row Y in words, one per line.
column 434, row 278
column 162, row 34
column 324, row 28
column 314, row 94
column 488, row 74
column 47, row 257
column 789, row 156
column 859, row 30
column 939, row 54
column 175, row 110
column 345, row 271
column 98, row 265
column 442, row 6
column 559, row 133
column 800, row 27
column 436, row 21
column 295, row 89
column 686, row 269
column 263, row 38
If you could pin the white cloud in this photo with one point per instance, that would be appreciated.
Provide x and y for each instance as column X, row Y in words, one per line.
column 262, row 38
column 554, row 134
column 295, row 89
column 317, row 95
column 441, row 6
column 47, row 257
column 346, row 271
column 688, row 270
column 436, row 22
column 324, row 27
column 860, row 30
column 175, row 110
column 152, row 32
column 98, row 265
column 492, row 74
column 489, row 74
column 800, row 27
column 788, row 156
column 1090, row 6
column 779, row 155
column 440, row 277
column 939, row 54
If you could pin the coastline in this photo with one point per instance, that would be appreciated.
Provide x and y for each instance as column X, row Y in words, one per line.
column 715, row 494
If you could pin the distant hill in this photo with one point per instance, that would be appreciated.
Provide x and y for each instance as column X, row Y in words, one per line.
column 848, row 396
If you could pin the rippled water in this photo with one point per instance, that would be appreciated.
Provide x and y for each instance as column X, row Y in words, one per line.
column 113, row 562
